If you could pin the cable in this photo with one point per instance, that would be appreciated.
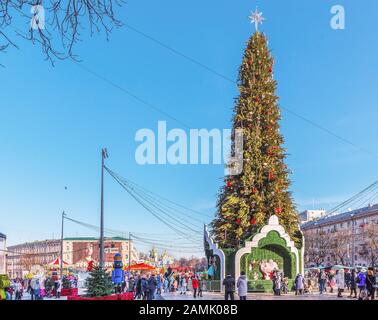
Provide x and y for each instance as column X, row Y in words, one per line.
column 207, row 68
column 173, row 226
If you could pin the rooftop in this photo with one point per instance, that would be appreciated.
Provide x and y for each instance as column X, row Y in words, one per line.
column 341, row 216
column 94, row 239
column 57, row 241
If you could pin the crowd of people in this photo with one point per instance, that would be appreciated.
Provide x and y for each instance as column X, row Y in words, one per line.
column 361, row 283
column 37, row 287
column 149, row 286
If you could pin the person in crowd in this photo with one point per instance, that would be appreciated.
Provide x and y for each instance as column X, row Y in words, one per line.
column 37, row 290
column 144, row 287
column 131, row 284
column 274, row 282
column 138, row 288
column 348, row 276
column 183, row 284
column 340, row 282
column 152, row 284
column 159, row 282
column 371, row 283
column 285, row 285
column 229, row 287
column 58, row 288
column 10, row 291
column 331, row 281
column 195, row 285
column 18, row 290
column 201, row 285
column 242, row 286
column 166, row 285
column 361, row 282
column 353, row 284
column 30, row 290
column 322, row 279
column 299, row 284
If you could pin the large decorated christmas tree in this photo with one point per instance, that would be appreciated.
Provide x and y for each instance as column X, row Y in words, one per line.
column 246, row 201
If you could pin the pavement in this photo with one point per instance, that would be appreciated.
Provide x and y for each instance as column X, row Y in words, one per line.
column 256, row 296
column 219, row 296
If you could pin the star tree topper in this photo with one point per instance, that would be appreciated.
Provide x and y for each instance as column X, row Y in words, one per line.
column 256, row 18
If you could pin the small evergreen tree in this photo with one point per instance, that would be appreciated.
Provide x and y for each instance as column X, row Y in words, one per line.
column 66, row 283
column 98, row 283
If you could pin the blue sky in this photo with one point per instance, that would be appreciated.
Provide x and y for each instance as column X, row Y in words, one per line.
column 55, row 120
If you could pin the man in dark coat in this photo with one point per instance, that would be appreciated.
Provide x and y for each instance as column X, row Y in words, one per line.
column 353, row 284
column 229, row 287
column 152, row 283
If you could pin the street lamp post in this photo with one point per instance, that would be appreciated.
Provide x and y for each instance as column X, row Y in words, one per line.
column 61, row 246
column 353, row 236
column 104, row 155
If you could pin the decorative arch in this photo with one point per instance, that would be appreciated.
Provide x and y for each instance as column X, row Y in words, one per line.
column 273, row 225
column 217, row 252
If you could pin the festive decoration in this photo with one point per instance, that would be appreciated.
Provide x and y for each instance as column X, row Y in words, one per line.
column 98, row 283
column 118, row 275
column 278, row 210
column 90, row 266
column 256, row 18
column 257, row 113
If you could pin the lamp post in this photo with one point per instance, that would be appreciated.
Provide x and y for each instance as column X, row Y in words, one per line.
column 353, row 236
column 104, row 155
column 61, row 247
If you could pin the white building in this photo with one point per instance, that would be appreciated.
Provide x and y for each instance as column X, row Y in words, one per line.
column 310, row 215
column 3, row 254
column 349, row 238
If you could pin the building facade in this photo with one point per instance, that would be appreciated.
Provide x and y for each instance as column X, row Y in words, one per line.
column 349, row 238
column 77, row 253
column 3, row 254
column 310, row 215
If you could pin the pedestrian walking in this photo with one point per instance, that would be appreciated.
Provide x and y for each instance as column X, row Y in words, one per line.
column 229, row 287
column 299, row 284
column 242, row 286
column 138, row 288
column 371, row 283
column 195, row 285
column 152, row 284
column 361, row 282
column 322, row 278
column 183, row 284
column 353, row 284
column 340, row 282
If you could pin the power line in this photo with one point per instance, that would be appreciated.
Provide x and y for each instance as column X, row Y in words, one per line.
column 213, row 71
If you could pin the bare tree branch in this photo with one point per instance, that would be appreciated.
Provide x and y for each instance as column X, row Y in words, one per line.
column 56, row 25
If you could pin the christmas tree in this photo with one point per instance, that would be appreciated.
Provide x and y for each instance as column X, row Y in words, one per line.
column 247, row 200
column 98, row 283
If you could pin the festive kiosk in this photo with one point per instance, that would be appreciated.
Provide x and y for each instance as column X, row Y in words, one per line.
column 256, row 228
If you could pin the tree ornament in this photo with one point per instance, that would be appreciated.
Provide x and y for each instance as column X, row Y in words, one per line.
column 229, row 184
column 254, row 190
column 252, row 221
column 278, row 210
column 238, row 221
column 271, row 175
